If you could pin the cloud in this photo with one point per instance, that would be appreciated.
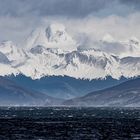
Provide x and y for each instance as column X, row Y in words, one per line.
column 87, row 30
column 119, row 27
column 70, row 8
column 86, row 20
column 16, row 29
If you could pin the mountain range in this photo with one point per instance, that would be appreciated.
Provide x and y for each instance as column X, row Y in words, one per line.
column 14, row 94
column 51, row 51
column 126, row 94
column 63, row 87
column 61, row 91
column 52, row 66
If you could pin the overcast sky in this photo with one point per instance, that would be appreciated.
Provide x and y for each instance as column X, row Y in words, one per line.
column 119, row 18
column 70, row 8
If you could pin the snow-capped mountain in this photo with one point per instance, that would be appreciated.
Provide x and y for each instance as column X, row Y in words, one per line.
column 122, row 49
column 53, row 36
column 51, row 51
column 11, row 51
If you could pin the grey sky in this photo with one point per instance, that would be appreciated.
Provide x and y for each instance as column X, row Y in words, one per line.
column 19, row 17
column 71, row 8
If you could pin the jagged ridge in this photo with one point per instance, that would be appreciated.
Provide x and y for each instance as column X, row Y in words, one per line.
column 52, row 51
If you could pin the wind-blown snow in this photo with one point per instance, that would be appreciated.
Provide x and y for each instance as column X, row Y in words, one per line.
column 52, row 51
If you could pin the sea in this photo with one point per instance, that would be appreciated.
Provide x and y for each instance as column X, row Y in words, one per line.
column 69, row 123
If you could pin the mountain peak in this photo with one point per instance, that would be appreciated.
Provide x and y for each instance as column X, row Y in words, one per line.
column 56, row 33
column 134, row 40
column 7, row 47
column 52, row 36
column 13, row 53
column 53, row 28
column 6, row 44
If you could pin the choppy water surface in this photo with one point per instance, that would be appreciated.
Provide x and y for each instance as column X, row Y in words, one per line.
column 58, row 123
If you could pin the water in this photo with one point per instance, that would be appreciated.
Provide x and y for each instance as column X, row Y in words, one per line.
column 58, row 123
